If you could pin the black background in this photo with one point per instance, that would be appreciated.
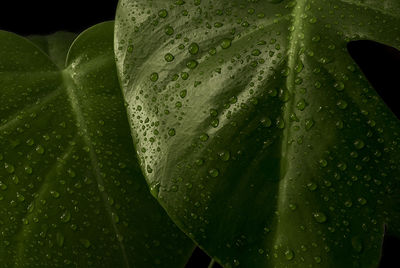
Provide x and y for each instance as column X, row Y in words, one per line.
column 380, row 64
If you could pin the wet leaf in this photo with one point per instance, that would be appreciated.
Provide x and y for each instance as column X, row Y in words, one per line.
column 280, row 154
column 71, row 191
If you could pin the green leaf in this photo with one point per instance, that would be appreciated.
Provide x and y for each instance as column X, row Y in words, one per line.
column 71, row 190
column 257, row 131
column 56, row 46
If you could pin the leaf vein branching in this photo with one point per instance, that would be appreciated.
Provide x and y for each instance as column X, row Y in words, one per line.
column 14, row 120
column 42, row 190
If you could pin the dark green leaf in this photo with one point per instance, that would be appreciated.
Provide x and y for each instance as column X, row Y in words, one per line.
column 257, row 131
column 71, row 191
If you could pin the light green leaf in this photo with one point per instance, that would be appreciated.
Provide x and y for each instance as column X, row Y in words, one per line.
column 71, row 191
column 257, row 131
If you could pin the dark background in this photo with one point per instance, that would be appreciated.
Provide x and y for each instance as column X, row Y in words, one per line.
column 381, row 64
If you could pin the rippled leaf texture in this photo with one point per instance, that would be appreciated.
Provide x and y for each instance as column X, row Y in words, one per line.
column 258, row 132
column 71, row 191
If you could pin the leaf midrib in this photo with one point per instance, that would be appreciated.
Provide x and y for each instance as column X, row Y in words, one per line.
column 70, row 85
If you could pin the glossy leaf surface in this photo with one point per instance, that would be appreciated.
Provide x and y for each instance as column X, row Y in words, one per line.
column 257, row 131
column 71, row 191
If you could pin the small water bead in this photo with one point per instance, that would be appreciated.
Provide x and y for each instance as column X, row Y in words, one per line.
column 213, row 112
column 339, row 86
column 183, row 93
column 317, row 259
column 312, row 186
column 60, row 239
column 323, row 163
column 20, row 197
column 319, row 217
column 30, row 142
column 9, row 168
column 280, row 123
column 184, row 75
column 154, row 77
column 256, row 52
column 299, row 67
column 213, row 172
column 55, row 194
column 191, row 64
column 342, row 104
column 226, row 43
column 130, row 49
column 163, row 13
column 362, row 200
column 28, row 170
column 348, row 203
column 359, row 144
column 169, row 57
column 85, row 243
column 169, row 30
column 171, row 132
column 224, row 155
column 301, row 104
column 193, row 48
column 266, row 122
column 309, row 123
column 65, row 217
column 204, row 137
column 215, row 122
column 289, row 254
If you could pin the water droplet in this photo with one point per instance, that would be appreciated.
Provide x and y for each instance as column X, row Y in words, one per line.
column 169, row 57
column 193, row 48
column 299, row 67
column 289, row 254
column 65, row 217
column 163, row 13
column 191, row 64
column 359, row 144
column 213, row 172
column 215, row 122
column 171, row 132
column 40, row 149
column 55, row 194
column 85, row 243
column 309, row 123
column 154, row 77
column 319, row 217
column 60, row 239
column 204, row 137
column 312, row 186
column 266, row 122
column 342, row 104
column 323, row 162
column 226, row 43
column 256, row 52
column 339, row 86
column 317, row 259
column 225, row 155
column 362, row 200
column 9, row 168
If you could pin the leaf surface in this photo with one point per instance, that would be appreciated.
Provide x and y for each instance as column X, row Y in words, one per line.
column 256, row 130
column 71, row 190
column 56, row 45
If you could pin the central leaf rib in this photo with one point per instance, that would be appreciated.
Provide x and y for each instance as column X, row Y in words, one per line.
column 70, row 87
